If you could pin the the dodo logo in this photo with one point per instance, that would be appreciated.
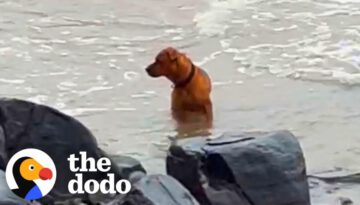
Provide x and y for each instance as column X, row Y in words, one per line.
column 31, row 174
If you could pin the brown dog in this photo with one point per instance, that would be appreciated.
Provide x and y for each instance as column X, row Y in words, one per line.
column 190, row 99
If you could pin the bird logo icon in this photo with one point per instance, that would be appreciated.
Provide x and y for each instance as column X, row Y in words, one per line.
column 31, row 174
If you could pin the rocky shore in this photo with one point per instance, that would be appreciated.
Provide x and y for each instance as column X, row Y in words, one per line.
column 236, row 168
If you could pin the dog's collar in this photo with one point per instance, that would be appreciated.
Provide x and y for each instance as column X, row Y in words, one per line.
column 188, row 79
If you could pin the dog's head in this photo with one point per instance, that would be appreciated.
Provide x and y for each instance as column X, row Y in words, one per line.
column 167, row 63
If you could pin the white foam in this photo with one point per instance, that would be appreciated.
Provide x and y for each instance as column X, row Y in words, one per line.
column 38, row 99
column 316, row 74
column 214, row 20
column 130, row 75
column 12, row 81
column 125, row 109
column 346, row 1
column 94, row 89
column 82, row 111
column 209, row 58
column 23, row 40
column 5, row 50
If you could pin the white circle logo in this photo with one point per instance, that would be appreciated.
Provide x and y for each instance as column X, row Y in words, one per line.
column 31, row 174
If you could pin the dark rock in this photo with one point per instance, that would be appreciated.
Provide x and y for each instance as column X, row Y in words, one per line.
column 157, row 190
column 6, row 195
column 242, row 169
column 129, row 168
column 337, row 177
column 225, row 192
column 3, row 154
column 29, row 125
column 165, row 190
column 136, row 176
column 134, row 197
column 345, row 201
column 127, row 165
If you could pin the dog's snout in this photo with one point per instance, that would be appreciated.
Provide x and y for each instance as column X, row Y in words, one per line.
column 155, row 70
column 148, row 69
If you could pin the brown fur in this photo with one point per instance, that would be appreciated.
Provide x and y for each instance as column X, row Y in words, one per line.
column 190, row 102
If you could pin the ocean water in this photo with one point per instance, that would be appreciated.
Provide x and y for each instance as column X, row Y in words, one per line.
column 281, row 64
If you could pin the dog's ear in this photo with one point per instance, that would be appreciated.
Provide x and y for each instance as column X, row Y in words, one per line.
column 172, row 53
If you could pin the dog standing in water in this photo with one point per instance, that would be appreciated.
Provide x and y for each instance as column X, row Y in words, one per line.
column 190, row 99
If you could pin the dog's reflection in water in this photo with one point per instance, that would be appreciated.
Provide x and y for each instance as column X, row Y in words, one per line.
column 193, row 129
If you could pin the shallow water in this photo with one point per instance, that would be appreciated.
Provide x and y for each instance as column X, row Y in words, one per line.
column 274, row 64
